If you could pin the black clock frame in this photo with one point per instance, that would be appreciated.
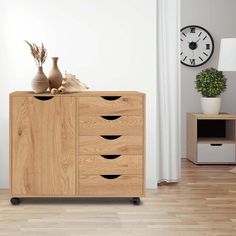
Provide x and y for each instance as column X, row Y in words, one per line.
column 213, row 45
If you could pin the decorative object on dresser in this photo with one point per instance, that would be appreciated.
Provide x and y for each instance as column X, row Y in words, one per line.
column 87, row 144
column 210, row 83
column 39, row 82
column 211, row 139
column 197, row 46
column 69, row 85
column 55, row 76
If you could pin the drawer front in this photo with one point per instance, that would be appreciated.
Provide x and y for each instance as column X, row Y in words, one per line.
column 132, row 145
column 110, row 164
column 123, row 125
column 120, row 105
column 110, row 185
column 210, row 153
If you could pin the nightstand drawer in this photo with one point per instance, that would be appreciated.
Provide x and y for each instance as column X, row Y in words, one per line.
column 123, row 125
column 110, row 164
column 216, row 153
column 111, row 144
column 111, row 105
column 110, row 185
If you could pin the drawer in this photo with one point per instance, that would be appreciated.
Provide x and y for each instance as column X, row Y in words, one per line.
column 123, row 125
column 212, row 153
column 111, row 144
column 110, row 185
column 110, row 164
column 111, row 105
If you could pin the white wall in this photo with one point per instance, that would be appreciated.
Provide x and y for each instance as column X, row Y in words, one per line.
column 109, row 44
column 218, row 17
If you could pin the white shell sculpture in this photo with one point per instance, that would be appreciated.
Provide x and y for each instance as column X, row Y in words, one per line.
column 70, row 84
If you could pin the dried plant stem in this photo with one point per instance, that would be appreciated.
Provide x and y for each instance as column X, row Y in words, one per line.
column 39, row 53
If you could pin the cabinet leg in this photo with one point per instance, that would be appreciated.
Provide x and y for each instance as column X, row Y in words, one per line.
column 15, row 201
column 136, row 200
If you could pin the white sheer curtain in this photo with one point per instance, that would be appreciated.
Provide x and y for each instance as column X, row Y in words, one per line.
column 168, row 90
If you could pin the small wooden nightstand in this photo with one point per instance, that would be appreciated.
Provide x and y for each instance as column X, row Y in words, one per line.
column 211, row 139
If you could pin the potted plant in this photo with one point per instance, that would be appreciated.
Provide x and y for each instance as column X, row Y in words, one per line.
column 210, row 83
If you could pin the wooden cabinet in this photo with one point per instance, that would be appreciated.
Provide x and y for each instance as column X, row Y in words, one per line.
column 211, row 139
column 88, row 144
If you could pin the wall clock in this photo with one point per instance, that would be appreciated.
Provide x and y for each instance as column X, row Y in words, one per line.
column 197, row 45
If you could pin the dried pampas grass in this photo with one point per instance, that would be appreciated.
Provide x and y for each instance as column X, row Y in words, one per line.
column 39, row 53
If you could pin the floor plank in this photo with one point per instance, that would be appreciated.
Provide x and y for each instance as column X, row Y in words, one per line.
column 202, row 204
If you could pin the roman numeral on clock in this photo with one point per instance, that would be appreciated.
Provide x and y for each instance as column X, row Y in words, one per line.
column 192, row 30
column 207, row 46
column 192, row 61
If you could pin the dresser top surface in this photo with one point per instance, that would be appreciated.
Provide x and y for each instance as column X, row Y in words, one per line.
column 77, row 94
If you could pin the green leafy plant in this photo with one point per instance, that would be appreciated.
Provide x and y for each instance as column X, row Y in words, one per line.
column 210, row 82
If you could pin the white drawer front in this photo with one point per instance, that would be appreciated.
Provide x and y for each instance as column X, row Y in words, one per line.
column 218, row 154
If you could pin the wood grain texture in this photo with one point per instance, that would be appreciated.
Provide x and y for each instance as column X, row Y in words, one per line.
column 215, row 140
column 124, row 164
column 123, row 186
column 221, row 116
column 203, row 203
column 43, row 146
column 78, row 94
column 144, row 144
column 132, row 145
column 192, row 137
column 124, row 125
column 125, row 105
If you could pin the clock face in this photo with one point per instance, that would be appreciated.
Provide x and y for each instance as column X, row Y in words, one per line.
column 197, row 45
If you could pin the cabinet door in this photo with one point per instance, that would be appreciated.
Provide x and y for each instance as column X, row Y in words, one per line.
column 43, row 146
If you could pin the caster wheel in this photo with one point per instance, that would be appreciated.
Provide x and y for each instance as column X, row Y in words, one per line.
column 15, row 201
column 136, row 200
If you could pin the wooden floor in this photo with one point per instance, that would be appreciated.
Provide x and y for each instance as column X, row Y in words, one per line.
column 203, row 203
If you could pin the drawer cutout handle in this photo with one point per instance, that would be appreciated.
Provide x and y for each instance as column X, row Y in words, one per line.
column 216, row 144
column 110, row 117
column 110, row 157
column 43, row 98
column 110, row 137
column 110, row 176
column 110, row 98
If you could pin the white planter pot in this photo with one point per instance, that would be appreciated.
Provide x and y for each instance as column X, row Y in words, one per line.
column 211, row 106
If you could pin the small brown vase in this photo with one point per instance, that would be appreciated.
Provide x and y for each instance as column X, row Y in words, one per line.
column 55, row 76
column 40, row 82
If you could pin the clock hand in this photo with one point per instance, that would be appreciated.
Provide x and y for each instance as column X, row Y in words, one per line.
column 197, row 40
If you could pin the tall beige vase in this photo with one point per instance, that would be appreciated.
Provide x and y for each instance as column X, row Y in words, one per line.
column 55, row 76
column 40, row 82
